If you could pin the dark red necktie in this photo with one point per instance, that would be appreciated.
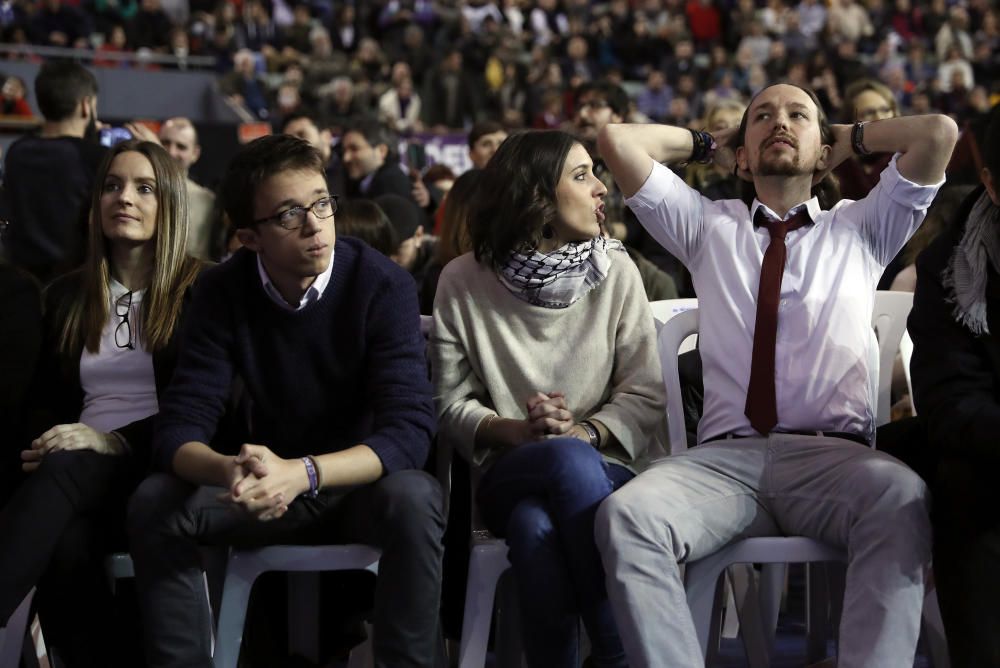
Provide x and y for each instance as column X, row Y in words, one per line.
column 761, row 405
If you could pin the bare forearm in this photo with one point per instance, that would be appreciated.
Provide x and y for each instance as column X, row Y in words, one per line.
column 630, row 150
column 355, row 466
column 498, row 432
column 199, row 464
column 926, row 143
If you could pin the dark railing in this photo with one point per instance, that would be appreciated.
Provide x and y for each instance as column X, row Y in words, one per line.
column 138, row 58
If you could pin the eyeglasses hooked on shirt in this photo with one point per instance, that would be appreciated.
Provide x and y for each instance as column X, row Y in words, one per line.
column 295, row 217
column 123, row 332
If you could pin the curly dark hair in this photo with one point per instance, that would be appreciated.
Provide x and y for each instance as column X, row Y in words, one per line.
column 517, row 194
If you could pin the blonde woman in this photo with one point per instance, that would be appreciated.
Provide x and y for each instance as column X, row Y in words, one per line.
column 109, row 347
column 865, row 100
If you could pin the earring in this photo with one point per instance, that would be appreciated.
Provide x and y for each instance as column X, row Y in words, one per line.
column 547, row 232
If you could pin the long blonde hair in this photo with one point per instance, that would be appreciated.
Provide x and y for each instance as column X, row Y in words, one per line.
column 173, row 270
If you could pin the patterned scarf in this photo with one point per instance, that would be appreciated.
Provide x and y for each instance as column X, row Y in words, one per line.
column 559, row 278
column 965, row 275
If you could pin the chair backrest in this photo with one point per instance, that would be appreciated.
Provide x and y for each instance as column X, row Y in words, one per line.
column 665, row 309
column 906, row 354
column 672, row 334
column 888, row 319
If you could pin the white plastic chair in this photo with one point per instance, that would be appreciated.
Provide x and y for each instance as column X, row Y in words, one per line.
column 303, row 562
column 760, row 619
column 889, row 321
column 701, row 577
column 245, row 566
column 487, row 563
column 12, row 635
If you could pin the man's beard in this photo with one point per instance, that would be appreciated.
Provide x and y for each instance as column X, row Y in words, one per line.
column 781, row 167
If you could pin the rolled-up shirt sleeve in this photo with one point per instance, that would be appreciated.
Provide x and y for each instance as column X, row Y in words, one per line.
column 671, row 211
column 889, row 215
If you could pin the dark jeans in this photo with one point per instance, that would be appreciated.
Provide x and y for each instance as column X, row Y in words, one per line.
column 966, row 560
column 542, row 497
column 401, row 514
column 57, row 528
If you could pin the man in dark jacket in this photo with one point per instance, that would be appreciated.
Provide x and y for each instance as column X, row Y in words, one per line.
column 956, row 386
column 372, row 162
column 324, row 336
column 48, row 176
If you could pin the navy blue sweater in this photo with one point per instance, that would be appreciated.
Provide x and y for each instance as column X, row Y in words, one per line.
column 349, row 368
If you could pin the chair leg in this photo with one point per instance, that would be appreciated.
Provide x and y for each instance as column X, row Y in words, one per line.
column 760, row 615
column 773, row 580
column 486, row 563
column 701, row 579
column 12, row 635
column 721, row 622
column 740, row 581
column 817, row 612
column 241, row 573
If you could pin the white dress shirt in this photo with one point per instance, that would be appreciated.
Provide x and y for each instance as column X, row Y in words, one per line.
column 826, row 356
column 311, row 295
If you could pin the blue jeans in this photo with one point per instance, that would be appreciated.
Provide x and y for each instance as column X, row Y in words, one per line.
column 542, row 497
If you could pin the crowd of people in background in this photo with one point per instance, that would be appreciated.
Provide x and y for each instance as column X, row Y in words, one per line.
column 444, row 64
column 365, row 86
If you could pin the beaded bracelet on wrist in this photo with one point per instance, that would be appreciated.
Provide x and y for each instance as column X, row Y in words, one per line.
column 703, row 146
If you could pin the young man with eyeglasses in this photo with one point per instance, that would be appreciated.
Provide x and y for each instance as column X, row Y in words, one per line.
column 323, row 334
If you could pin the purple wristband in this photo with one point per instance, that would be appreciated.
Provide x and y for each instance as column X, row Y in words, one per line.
column 313, row 477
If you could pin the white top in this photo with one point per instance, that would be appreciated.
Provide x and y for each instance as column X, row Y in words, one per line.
column 313, row 294
column 826, row 358
column 119, row 386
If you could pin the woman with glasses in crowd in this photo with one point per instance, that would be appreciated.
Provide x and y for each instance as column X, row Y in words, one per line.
column 547, row 380
column 109, row 345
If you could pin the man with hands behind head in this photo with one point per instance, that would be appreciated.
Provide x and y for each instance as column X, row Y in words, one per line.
column 323, row 335
column 785, row 285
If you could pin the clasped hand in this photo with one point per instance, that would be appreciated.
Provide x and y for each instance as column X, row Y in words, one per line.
column 76, row 436
column 263, row 483
column 547, row 415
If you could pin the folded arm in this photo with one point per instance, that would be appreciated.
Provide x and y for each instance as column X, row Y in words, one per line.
column 925, row 142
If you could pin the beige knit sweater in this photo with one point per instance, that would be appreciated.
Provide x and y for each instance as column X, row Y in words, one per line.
column 491, row 351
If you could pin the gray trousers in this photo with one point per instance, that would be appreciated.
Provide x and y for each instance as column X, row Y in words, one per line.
column 690, row 505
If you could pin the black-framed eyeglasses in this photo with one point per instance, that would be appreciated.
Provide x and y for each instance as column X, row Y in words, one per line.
column 295, row 217
column 123, row 332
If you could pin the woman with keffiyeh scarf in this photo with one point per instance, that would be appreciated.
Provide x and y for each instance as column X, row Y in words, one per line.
column 547, row 380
